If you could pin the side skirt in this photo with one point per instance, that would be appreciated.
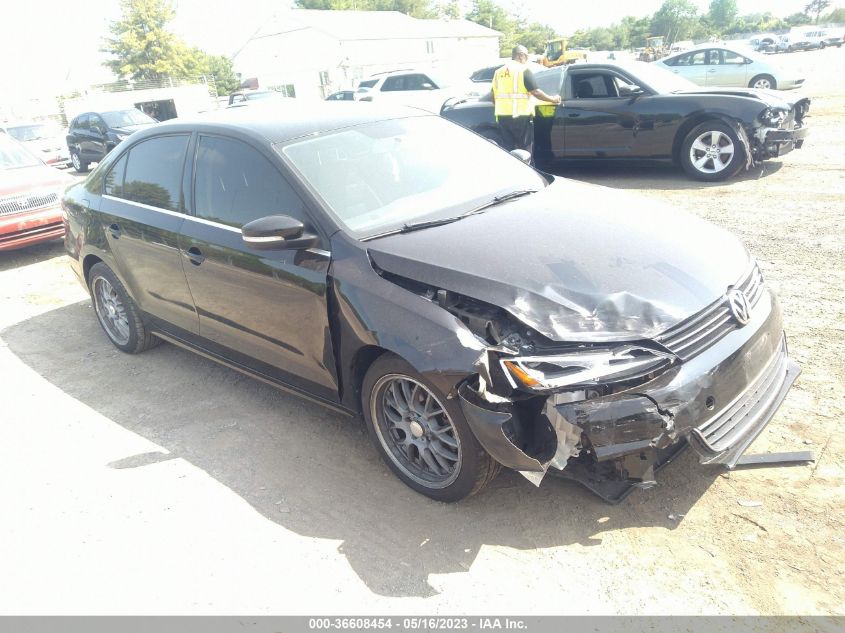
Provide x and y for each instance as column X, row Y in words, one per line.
column 252, row 373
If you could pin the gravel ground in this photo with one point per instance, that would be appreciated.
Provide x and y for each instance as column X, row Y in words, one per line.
column 163, row 483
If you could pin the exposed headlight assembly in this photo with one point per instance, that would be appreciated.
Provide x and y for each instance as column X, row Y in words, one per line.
column 587, row 367
column 772, row 117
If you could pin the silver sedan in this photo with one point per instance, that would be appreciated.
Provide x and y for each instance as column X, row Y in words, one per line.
column 721, row 66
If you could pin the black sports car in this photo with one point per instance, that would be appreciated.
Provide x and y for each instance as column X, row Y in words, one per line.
column 637, row 110
column 477, row 313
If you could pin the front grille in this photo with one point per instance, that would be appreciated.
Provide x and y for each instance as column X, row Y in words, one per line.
column 723, row 430
column 697, row 333
column 27, row 202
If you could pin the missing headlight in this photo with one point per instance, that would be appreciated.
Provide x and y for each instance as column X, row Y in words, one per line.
column 585, row 367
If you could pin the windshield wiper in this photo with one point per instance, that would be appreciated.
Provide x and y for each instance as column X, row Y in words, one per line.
column 416, row 226
column 499, row 200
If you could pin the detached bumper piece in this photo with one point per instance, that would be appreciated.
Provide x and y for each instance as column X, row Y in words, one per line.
column 725, row 437
column 780, row 142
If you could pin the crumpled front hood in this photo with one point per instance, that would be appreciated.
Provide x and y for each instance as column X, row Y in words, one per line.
column 768, row 98
column 576, row 262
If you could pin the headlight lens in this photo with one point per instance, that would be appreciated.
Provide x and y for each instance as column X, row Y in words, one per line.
column 584, row 367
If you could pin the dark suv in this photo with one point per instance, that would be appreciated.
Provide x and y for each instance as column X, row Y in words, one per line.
column 92, row 135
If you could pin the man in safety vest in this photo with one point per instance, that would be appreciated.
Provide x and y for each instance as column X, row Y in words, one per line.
column 514, row 95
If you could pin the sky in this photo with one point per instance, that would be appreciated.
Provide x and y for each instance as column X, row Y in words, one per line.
column 52, row 46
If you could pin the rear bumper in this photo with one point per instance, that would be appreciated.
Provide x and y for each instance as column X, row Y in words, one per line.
column 18, row 231
column 718, row 402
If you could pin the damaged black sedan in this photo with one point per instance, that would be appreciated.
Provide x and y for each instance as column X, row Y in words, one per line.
column 641, row 111
column 475, row 312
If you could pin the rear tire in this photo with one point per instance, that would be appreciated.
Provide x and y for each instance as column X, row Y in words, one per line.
column 712, row 151
column 78, row 164
column 421, row 435
column 117, row 313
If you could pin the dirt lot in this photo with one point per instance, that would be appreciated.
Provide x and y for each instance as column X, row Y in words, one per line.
column 163, row 483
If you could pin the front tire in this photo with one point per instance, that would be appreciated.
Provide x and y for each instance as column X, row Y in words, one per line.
column 712, row 151
column 117, row 313
column 763, row 82
column 421, row 435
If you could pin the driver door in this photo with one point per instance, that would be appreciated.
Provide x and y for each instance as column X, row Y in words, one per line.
column 597, row 121
column 268, row 305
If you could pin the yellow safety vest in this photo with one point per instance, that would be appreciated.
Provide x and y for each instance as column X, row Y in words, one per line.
column 509, row 92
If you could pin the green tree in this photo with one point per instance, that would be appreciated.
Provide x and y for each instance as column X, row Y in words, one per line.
column 816, row 6
column 144, row 49
column 140, row 43
column 835, row 16
column 675, row 20
column 797, row 19
column 722, row 14
column 220, row 67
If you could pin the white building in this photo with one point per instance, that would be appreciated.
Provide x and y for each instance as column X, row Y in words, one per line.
column 309, row 53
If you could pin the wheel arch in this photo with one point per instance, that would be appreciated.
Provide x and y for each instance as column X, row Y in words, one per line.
column 694, row 121
column 88, row 263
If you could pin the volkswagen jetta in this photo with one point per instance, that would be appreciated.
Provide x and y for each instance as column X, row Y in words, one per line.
column 475, row 312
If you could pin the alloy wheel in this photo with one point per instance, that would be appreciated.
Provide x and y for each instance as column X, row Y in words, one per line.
column 711, row 152
column 762, row 84
column 111, row 311
column 416, row 431
column 77, row 163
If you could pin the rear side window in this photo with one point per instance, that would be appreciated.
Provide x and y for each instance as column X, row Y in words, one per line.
column 234, row 184
column 393, row 84
column 153, row 173
column 113, row 185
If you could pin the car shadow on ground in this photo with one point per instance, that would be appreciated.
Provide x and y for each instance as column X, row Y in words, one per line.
column 649, row 174
column 314, row 472
column 31, row 254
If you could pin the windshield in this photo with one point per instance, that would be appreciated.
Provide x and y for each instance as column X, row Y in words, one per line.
column 659, row 79
column 125, row 118
column 34, row 132
column 13, row 155
column 381, row 176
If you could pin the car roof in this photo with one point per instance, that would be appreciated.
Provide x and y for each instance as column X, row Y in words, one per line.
column 285, row 120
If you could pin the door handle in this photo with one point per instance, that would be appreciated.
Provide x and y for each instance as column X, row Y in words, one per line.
column 114, row 229
column 573, row 115
column 712, row 70
column 194, row 255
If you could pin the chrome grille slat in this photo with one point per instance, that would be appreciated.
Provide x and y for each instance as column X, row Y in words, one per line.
column 21, row 203
column 725, row 318
column 703, row 329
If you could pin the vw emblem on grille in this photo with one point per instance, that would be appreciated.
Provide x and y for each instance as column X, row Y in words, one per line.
column 738, row 303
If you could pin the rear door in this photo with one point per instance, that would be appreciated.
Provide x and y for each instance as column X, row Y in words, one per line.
column 265, row 309
column 142, row 211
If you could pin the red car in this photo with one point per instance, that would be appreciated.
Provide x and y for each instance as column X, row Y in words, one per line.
column 30, row 192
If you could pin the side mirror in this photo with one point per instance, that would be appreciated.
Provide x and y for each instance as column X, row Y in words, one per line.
column 630, row 91
column 522, row 155
column 427, row 86
column 277, row 232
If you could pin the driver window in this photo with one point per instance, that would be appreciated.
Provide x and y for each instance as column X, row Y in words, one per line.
column 234, row 184
column 698, row 59
column 590, row 86
column 619, row 82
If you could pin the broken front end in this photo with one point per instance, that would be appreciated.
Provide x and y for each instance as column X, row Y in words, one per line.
column 777, row 131
column 610, row 415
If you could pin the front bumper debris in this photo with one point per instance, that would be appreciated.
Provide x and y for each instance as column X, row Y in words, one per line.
column 718, row 402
